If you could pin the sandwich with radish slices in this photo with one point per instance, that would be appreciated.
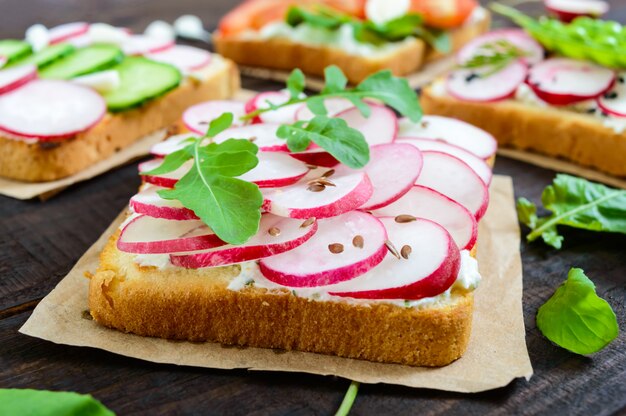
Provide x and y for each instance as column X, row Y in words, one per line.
column 553, row 87
column 73, row 95
column 324, row 224
column 360, row 36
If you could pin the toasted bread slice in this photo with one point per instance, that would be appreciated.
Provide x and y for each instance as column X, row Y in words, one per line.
column 284, row 54
column 37, row 161
column 580, row 138
column 196, row 305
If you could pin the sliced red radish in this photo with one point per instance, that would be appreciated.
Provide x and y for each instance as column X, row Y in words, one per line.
column 614, row 101
column 171, row 145
column 276, row 235
column 431, row 265
column 477, row 164
column 197, row 117
column 333, row 106
column 3, row 60
column 517, row 37
column 452, row 177
column 422, row 202
column 563, row 81
column 47, row 109
column 471, row 85
column 147, row 235
column 380, row 127
column 15, row 77
column 316, row 156
column 148, row 202
column 393, row 169
column 283, row 115
column 335, row 254
column 274, row 170
column 306, row 199
column 67, row 31
column 263, row 135
column 185, row 58
column 452, row 131
column 568, row 10
column 142, row 45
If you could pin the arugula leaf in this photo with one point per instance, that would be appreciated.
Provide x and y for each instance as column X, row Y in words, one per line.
column 346, row 144
column 335, row 80
column 393, row 91
column 49, row 403
column 577, row 203
column 220, row 124
column 172, row 161
column 575, row 318
column 297, row 15
column 295, row 84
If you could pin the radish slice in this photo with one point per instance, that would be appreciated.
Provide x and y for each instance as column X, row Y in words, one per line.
column 392, row 169
column 171, row 145
column 333, row 106
column 67, row 31
column 477, row 164
column 147, row 235
column 3, row 60
column 422, row 202
column 469, row 85
column 284, row 115
column 316, row 157
column 185, row 58
column 563, row 81
column 380, row 127
column 517, row 37
column 142, row 45
column 47, row 109
column 148, row 202
column 452, row 131
column 568, row 10
column 314, row 264
column 452, row 177
column 263, row 135
column 15, row 77
column 614, row 101
column 300, row 201
column 274, row 170
column 197, row 118
column 276, row 235
column 430, row 269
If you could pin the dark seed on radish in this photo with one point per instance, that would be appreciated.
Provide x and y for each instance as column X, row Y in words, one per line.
column 357, row 241
column 471, row 77
column 308, row 222
column 620, row 80
column 590, row 110
column 274, row 231
column 406, row 251
column 392, row 249
column 335, row 248
column 401, row 219
column 610, row 95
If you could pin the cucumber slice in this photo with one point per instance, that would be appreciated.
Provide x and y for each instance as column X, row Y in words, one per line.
column 141, row 80
column 14, row 49
column 84, row 61
column 46, row 56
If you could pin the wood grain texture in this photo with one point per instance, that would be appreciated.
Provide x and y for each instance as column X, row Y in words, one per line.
column 41, row 241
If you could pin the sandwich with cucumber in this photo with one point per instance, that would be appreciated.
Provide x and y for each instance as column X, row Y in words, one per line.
column 325, row 224
column 360, row 36
column 552, row 87
column 73, row 95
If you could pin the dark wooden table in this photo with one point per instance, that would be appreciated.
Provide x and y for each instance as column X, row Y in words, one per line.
column 40, row 242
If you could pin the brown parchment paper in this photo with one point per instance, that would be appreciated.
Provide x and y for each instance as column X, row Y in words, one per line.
column 496, row 355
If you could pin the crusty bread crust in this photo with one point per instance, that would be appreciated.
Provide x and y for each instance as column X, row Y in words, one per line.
column 580, row 138
column 284, row 54
column 196, row 305
column 47, row 161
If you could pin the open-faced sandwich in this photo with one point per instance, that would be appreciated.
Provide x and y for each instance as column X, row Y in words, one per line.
column 554, row 88
column 73, row 95
column 324, row 224
column 361, row 37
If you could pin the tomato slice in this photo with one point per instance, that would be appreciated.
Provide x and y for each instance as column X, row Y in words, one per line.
column 444, row 14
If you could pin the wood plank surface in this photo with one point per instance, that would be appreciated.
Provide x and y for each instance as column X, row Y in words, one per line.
column 40, row 242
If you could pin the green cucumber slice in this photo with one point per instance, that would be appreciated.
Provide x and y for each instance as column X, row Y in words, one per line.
column 141, row 80
column 46, row 56
column 14, row 49
column 84, row 61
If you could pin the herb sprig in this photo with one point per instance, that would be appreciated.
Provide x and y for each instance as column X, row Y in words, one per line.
column 231, row 206
column 494, row 57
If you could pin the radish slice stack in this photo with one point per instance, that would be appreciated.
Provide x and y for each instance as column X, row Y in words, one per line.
column 143, row 45
column 65, row 32
column 517, row 37
column 197, row 118
column 185, row 58
column 393, row 229
column 614, row 101
column 285, row 114
column 479, row 85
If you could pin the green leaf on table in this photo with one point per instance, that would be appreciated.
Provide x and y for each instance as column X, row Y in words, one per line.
column 576, row 318
column 295, row 83
column 49, row 403
column 393, row 91
column 577, row 203
column 334, row 135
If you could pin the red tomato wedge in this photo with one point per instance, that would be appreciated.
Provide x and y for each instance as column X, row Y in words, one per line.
column 444, row 14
